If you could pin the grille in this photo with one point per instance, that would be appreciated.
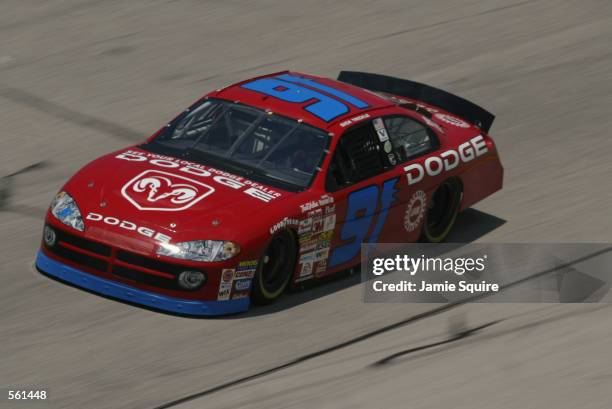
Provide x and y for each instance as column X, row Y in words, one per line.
column 103, row 258
column 80, row 258
column 84, row 244
column 145, row 278
column 149, row 263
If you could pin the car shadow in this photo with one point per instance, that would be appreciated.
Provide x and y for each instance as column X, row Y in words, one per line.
column 471, row 225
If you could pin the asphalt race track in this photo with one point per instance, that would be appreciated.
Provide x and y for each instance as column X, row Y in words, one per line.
column 82, row 78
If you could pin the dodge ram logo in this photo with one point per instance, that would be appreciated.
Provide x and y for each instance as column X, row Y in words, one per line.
column 163, row 191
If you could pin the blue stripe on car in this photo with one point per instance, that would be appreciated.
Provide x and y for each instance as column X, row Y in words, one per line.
column 290, row 88
column 134, row 295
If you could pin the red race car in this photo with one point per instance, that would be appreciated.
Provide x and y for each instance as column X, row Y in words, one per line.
column 267, row 183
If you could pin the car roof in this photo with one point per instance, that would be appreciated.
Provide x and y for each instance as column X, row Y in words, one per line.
column 318, row 101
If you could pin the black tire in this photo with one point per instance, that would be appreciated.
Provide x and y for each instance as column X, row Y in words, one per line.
column 442, row 211
column 275, row 268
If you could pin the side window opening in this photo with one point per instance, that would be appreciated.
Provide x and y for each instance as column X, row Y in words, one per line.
column 357, row 157
column 409, row 138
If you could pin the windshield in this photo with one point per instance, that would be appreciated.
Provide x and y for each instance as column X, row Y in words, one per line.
column 247, row 141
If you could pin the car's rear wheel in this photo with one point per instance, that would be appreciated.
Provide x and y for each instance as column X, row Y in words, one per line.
column 275, row 268
column 442, row 212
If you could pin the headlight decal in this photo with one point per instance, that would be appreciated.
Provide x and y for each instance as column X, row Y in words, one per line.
column 65, row 209
column 200, row 250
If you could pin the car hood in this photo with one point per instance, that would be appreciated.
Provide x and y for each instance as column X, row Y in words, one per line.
column 172, row 197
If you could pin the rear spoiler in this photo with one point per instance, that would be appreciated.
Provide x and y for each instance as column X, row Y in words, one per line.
column 421, row 92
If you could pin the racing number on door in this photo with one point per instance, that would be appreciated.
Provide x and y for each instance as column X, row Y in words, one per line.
column 327, row 105
column 360, row 216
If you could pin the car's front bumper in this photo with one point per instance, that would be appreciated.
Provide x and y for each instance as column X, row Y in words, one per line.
column 113, row 289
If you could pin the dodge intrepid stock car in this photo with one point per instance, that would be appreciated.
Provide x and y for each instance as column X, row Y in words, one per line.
column 268, row 183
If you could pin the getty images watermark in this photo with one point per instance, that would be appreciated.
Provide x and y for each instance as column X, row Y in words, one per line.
column 456, row 272
column 412, row 265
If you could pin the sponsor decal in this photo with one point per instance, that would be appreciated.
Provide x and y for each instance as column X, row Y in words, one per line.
column 306, row 264
column 306, row 270
column 284, row 223
column 309, row 206
column 381, row 131
column 246, row 269
column 242, row 285
column 127, row 225
column 321, row 254
column 244, row 274
column 326, row 235
column 387, row 147
column 452, row 120
column 329, row 222
column 315, row 213
column 317, row 241
column 314, row 204
column 309, row 245
column 227, row 275
column 224, row 292
column 248, row 264
column 305, row 238
column 317, row 224
column 322, row 244
column 325, row 200
column 225, row 286
column 447, row 160
column 415, row 211
column 320, row 267
column 305, row 226
column 382, row 135
column 307, row 257
column 241, row 294
column 191, row 169
column 354, row 120
column 315, row 233
column 163, row 191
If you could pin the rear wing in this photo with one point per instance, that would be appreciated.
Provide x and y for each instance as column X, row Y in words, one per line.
column 455, row 105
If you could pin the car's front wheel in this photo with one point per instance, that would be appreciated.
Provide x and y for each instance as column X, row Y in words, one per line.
column 275, row 268
column 442, row 211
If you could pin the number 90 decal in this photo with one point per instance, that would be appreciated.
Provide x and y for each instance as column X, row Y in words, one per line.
column 328, row 103
column 360, row 216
